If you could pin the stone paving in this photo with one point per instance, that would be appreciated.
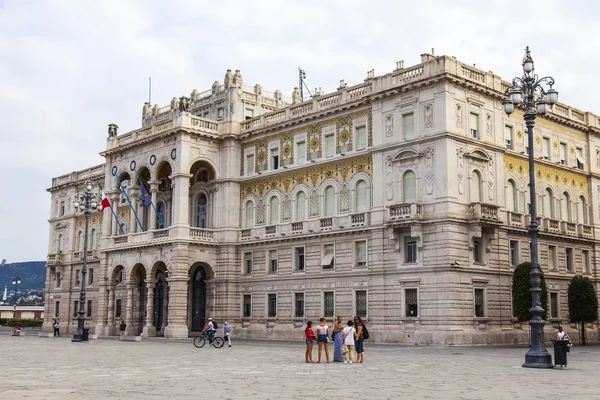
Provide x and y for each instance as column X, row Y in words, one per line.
column 55, row 368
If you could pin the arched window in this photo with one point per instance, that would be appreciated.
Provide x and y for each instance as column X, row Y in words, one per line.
column 201, row 207
column 475, row 187
column 511, row 190
column 202, row 175
column 581, row 211
column 274, row 210
column 93, row 238
column 548, row 201
column 249, row 214
column 565, row 207
column 161, row 215
column 329, row 201
column 409, row 187
column 362, row 200
column 300, row 206
column 60, row 243
column 79, row 241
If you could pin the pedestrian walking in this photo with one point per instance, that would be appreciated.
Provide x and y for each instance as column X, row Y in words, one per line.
column 322, row 339
column 310, row 339
column 227, row 333
column 359, row 337
column 56, row 327
column 338, row 342
column 348, row 338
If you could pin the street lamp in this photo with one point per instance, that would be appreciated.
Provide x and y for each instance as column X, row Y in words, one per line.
column 87, row 202
column 530, row 93
column 16, row 281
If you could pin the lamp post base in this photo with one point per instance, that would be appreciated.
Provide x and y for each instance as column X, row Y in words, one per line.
column 535, row 359
column 77, row 338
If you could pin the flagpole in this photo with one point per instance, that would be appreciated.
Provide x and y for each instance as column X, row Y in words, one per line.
column 129, row 201
column 111, row 209
column 151, row 203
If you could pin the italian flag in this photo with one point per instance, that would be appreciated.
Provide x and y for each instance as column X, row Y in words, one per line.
column 105, row 202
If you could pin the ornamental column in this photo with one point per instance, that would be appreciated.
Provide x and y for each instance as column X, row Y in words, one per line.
column 132, row 211
column 181, row 194
column 129, row 317
column 111, row 310
column 177, row 313
column 115, row 226
column 149, row 328
column 154, row 194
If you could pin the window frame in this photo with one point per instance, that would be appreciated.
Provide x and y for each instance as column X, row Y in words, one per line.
column 367, row 197
column 413, row 134
column 552, row 254
column 331, row 265
column 89, row 308
column 585, row 261
column 323, row 302
column 484, row 305
column 327, row 152
column 510, row 143
column 296, row 304
column 297, row 151
column 325, row 205
column 296, row 260
column 274, row 152
column 513, row 252
column 405, row 301
column 244, row 314
column 247, row 164
column 270, row 262
column 563, row 146
column 474, row 133
column 90, row 276
column 269, row 313
column 75, row 308
column 546, row 148
column 410, row 240
column 477, row 252
column 118, row 308
column 569, row 259
column 296, row 218
column 554, row 310
column 355, row 298
column 245, row 270
column 57, row 309
column 357, row 262
column 579, row 165
column 356, row 132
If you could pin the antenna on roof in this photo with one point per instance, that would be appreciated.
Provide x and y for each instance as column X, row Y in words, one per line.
column 150, row 90
column 302, row 83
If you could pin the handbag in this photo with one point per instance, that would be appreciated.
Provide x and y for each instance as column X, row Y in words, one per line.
column 333, row 335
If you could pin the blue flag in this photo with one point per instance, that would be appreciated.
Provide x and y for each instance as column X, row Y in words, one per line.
column 146, row 198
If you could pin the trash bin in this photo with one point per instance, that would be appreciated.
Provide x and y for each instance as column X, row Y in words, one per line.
column 560, row 352
column 86, row 335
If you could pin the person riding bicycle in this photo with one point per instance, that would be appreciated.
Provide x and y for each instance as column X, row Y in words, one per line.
column 210, row 330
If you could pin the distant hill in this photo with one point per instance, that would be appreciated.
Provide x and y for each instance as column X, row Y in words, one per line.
column 32, row 274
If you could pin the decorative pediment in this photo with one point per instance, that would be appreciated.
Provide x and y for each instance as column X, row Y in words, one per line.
column 61, row 225
column 406, row 155
column 479, row 155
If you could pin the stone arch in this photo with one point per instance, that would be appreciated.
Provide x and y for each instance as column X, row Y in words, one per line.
column 405, row 155
column 202, row 163
column 200, row 295
column 118, row 275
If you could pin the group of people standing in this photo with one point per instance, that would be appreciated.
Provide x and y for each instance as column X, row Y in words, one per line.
column 347, row 339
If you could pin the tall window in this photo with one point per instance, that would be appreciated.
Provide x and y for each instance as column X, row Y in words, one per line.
column 475, row 187
column 328, row 304
column 411, row 251
column 479, row 303
column 329, row 201
column 361, row 138
column 60, row 243
column 161, row 217
column 569, row 259
column 553, row 305
column 514, row 252
column 247, row 263
column 274, row 210
column 477, row 258
column 249, row 164
column 247, row 311
column 80, row 241
column 274, row 158
column 201, row 221
column 360, row 253
column 58, row 279
column 474, row 125
column 329, row 145
column 57, row 309
column 581, row 211
column 412, row 302
column 272, row 261
column 508, row 137
column 548, row 203
column 510, row 195
column 409, row 187
column 585, row 261
column 300, row 206
column 361, row 303
column 299, row 258
column 552, row 258
column 89, row 309
column 408, row 121
column 249, row 214
column 563, row 153
column 272, row 306
column 75, row 308
column 565, row 215
column 328, row 260
column 526, row 142
column 298, row 305
column 118, row 308
column 93, row 241
column 301, row 152
column 90, row 276
column 546, row 149
column 580, row 159
column 77, row 277
column 362, row 201
column 62, row 208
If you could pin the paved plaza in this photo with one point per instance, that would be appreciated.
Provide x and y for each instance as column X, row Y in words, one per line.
column 55, row 368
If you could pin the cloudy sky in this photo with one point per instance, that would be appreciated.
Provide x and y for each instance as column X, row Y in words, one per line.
column 68, row 68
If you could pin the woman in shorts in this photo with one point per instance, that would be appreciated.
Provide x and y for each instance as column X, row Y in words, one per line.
column 310, row 339
column 322, row 338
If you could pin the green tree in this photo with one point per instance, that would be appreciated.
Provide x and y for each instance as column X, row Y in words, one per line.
column 521, row 293
column 583, row 303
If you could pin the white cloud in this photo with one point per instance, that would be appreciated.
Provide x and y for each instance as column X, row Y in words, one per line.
column 68, row 68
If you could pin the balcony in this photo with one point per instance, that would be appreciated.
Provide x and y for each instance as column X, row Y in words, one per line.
column 569, row 228
column 515, row 219
column 551, row 225
column 297, row 227
column 201, row 234
column 486, row 213
column 246, row 234
column 359, row 219
column 326, row 223
column 54, row 258
column 160, row 234
column 585, row 231
column 270, row 231
column 404, row 213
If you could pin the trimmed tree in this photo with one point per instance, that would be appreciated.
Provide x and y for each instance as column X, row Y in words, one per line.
column 583, row 303
column 521, row 293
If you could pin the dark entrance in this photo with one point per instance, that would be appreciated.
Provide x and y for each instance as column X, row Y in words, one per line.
column 159, row 301
column 199, row 300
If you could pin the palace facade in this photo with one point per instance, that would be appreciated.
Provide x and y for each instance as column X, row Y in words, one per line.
column 402, row 199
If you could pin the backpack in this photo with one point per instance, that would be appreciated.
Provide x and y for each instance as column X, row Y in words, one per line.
column 365, row 332
column 215, row 325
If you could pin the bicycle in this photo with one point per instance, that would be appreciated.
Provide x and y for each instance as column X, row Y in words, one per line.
column 200, row 341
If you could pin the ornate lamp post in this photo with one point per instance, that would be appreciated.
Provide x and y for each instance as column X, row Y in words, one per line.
column 87, row 203
column 16, row 280
column 530, row 93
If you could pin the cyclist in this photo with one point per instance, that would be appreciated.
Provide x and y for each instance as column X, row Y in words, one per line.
column 210, row 330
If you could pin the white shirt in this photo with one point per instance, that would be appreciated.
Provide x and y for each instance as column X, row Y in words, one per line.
column 211, row 327
column 561, row 335
column 348, row 333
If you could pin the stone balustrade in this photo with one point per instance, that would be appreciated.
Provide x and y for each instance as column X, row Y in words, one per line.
column 201, row 234
column 484, row 211
column 405, row 211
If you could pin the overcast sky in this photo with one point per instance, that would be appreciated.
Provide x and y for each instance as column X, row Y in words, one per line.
column 68, row 68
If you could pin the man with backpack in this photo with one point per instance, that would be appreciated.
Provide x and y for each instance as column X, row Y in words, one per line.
column 210, row 329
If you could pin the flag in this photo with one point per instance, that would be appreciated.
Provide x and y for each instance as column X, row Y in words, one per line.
column 105, row 202
column 146, row 198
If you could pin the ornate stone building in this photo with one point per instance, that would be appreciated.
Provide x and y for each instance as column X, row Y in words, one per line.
column 402, row 199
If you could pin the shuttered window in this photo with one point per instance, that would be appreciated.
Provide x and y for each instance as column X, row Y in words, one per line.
column 508, row 140
column 249, row 164
column 475, row 187
column 361, row 253
column 510, row 196
column 300, row 206
column 409, row 126
column 474, row 125
column 362, row 203
column 563, row 153
column 249, row 214
column 547, row 211
column 546, row 148
column 329, row 201
column 409, row 186
column 564, row 207
column 274, row 210
column 329, row 145
column 301, row 152
column 361, row 138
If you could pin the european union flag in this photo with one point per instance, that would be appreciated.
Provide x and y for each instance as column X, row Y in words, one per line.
column 146, row 198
